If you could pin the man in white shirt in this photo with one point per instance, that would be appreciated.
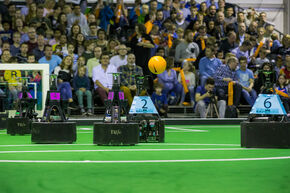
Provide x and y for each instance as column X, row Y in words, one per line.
column 102, row 76
column 121, row 58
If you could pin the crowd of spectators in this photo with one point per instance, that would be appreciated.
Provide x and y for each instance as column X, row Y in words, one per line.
column 204, row 43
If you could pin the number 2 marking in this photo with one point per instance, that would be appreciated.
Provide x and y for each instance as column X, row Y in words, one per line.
column 145, row 103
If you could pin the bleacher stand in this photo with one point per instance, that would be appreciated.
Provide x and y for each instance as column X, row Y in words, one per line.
column 184, row 29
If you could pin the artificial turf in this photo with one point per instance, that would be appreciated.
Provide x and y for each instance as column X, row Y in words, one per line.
column 200, row 144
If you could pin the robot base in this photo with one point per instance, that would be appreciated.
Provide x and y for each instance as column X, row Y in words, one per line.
column 3, row 120
column 18, row 126
column 53, row 132
column 116, row 134
column 265, row 134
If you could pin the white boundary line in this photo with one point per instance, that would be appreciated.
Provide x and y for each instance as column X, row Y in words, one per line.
column 139, row 145
column 148, row 161
column 126, row 150
column 188, row 130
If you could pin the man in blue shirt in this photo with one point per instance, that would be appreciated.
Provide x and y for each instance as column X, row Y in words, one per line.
column 203, row 98
column 48, row 58
column 246, row 79
column 243, row 50
column 208, row 65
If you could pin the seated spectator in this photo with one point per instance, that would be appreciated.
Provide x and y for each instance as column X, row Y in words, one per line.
column 224, row 75
column 168, row 79
column 180, row 21
column 93, row 62
column 230, row 18
column 187, row 49
column 121, row 58
column 82, row 86
column 285, row 49
column 286, row 69
column 102, row 76
column 22, row 56
column 15, row 47
column 258, row 62
column 89, row 49
column 64, row 77
column 128, row 80
column 283, row 91
column 246, row 79
column 39, row 50
column 229, row 43
column 203, row 99
column 49, row 58
column 265, row 80
column 243, row 50
column 159, row 99
column 76, row 17
column 71, row 53
column 208, row 65
column 189, row 78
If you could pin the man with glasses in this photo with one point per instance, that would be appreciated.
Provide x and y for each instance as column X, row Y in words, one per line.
column 121, row 58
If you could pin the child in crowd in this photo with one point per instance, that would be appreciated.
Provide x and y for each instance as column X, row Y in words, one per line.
column 81, row 85
column 262, row 58
column 189, row 78
column 160, row 100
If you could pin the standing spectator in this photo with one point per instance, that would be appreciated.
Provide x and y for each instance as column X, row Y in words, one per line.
column 246, row 79
column 81, row 85
column 102, row 76
column 49, row 58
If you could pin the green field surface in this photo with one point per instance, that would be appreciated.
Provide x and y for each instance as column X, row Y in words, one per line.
column 193, row 159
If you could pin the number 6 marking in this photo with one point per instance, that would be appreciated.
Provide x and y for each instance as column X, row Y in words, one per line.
column 267, row 103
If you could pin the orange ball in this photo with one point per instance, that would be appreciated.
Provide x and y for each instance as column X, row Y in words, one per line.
column 157, row 64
